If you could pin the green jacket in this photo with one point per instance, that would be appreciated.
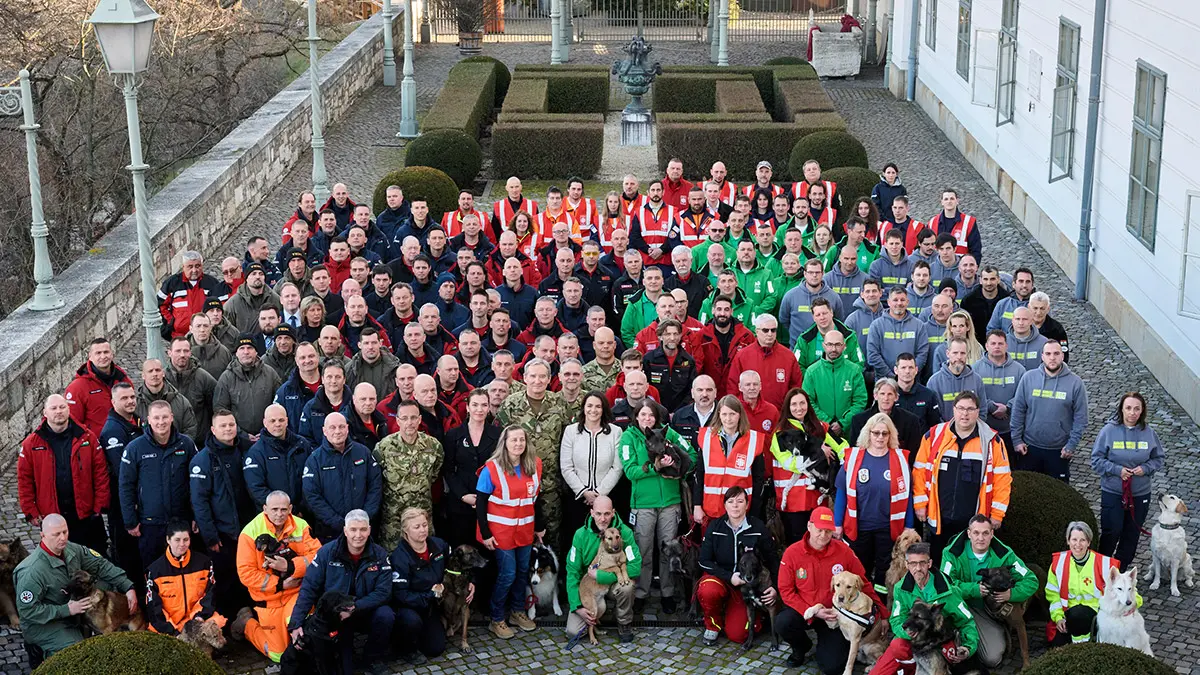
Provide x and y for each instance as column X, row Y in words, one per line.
column 810, row 345
column 770, row 261
column 867, row 254
column 828, row 258
column 584, row 546
column 758, row 284
column 806, row 231
column 742, row 309
column 961, row 567
column 938, row 590
column 837, row 390
column 41, row 603
column 639, row 313
column 731, row 243
column 649, row 489
column 700, row 255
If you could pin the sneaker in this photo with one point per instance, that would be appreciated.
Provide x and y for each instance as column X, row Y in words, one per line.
column 669, row 605
column 414, row 658
column 522, row 621
column 625, row 633
column 710, row 638
column 501, row 630
column 237, row 629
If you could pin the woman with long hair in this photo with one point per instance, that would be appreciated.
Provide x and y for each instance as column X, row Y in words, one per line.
column 958, row 325
column 795, row 493
column 761, row 211
column 528, row 241
column 887, row 189
column 508, row 515
column 730, row 454
column 468, row 446
column 613, row 217
column 312, row 319
column 418, row 566
column 590, row 465
column 822, row 247
column 865, row 210
column 874, row 496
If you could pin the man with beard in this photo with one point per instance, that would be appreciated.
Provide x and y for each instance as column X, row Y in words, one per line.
column 372, row 364
column 282, row 354
column 720, row 341
column 669, row 368
column 193, row 382
column 500, row 335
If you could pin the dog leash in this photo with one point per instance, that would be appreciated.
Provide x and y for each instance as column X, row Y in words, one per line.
column 577, row 638
column 1127, row 503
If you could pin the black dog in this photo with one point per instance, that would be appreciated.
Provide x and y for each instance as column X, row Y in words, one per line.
column 821, row 468
column 316, row 652
column 460, row 573
column 682, row 556
column 273, row 548
column 1011, row 614
column 758, row 580
column 930, row 630
column 657, row 447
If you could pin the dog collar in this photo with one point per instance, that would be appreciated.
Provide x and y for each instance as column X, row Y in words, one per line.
column 1170, row 527
column 863, row 620
column 454, row 573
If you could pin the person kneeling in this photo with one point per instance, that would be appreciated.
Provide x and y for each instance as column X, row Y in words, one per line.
column 584, row 546
column 418, row 567
column 178, row 585
column 717, row 591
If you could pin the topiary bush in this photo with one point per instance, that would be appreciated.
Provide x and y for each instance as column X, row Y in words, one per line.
column 130, row 653
column 1039, row 510
column 419, row 182
column 451, row 151
column 571, row 88
column 548, row 146
column 833, row 149
column 465, row 102
column 1094, row 658
column 786, row 61
column 737, row 97
column 793, row 97
column 503, row 77
column 854, row 182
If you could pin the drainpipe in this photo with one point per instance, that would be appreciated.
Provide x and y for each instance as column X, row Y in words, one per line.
column 1089, row 152
column 914, row 27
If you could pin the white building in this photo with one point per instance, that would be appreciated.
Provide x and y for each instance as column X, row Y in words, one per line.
column 1008, row 83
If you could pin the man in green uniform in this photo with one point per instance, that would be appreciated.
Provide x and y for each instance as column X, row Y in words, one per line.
column 410, row 461
column 601, row 372
column 584, row 546
column 49, row 618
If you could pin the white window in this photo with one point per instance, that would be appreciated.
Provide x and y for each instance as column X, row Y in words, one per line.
column 931, row 24
column 1189, row 275
column 1066, row 88
column 983, row 80
column 1145, row 163
column 963, row 59
column 1006, row 79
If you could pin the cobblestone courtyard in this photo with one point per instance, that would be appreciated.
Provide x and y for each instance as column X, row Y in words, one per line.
column 362, row 147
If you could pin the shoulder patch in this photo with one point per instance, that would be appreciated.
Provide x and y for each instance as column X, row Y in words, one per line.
column 26, row 597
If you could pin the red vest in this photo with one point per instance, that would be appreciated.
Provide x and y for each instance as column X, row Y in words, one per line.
column 728, row 192
column 912, row 228
column 452, row 222
column 960, row 231
column 585, row 213
column 901, row 483
column 800, row 189
column 604, row 228
column 656, row 228
column 750, row 189
column 722, row 472
column 543, row 224
column 802, row 495
column 633, row 208
column 503, row 214
column 825, row 217
column 690, row 231
column 510, row 508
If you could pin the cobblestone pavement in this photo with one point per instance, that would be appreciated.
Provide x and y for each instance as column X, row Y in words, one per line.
column 362, row 146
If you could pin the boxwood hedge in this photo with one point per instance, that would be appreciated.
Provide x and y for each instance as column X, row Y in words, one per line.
column 466, row 100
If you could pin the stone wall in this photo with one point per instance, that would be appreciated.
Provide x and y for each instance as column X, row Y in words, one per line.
column 198, row 210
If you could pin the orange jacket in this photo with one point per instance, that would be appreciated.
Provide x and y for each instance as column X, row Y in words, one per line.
column 995, row 487
column 264, row 585
column 177, row 592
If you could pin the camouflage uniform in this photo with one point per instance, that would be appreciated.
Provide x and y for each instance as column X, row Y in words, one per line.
column 595, row 379
column 409, row 471
column 544, row 432
column 516, row 389
column 573, row 407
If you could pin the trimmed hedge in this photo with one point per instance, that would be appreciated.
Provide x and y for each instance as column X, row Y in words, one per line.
column 453, row 152
column 736, row 96
column 527, row 96
column 419, row 182
column 805, row 72
column 571, row 90
column 503, row 77
column 740, row 145
column 793, row 97
column 854, row 182
column 814, row 122
column 763, row 76
column 786, row 61
column 1034, row 531
column 547, row 150
column 678, row 118
column 564, row 68
column 1094, row 658
column 549, row 118
column 833, row 149
column 690, row 92
column 465, row 101
column 130, row 653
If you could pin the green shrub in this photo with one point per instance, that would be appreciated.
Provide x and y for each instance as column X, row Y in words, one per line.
column 527, row 96
column 763, row 76
column 453, row 152
column 419, row 182
column 833, row 149
column 503, row 77
column 1094, row 658
column 854, row 182
column 690, row 92
column 786, row 61
column 814, row 122
column 741, row 146
column 564, row 68
column 1034, row 531
column 677, row 118
column 737, row 96
column 549, row 118
column 547, row 150
column 130, row 653
column 466, row 100
column 571, row 90
column 805, row 72
column 793, row 97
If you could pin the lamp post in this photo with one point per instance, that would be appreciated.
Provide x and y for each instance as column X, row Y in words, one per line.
column 555, row 32
column 723, row 34
column 389, row 52
column 408, row 86
column 15, row 101
column 320, row 181
column 125, row 31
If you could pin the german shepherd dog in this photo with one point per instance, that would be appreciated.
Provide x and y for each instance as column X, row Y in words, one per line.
column 683, row 560
column 11, row 554
column 110, row 610
column 758, row 580
column 930, row 630
column 658, row 447
column 1011, row 614
column 610, row 557
column 316, row 652
column 812, row 463
column 456, row 582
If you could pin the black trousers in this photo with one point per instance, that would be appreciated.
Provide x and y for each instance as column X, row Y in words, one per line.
column 795, row 524
column 832, row 648
column 874, row 551
column 419, row 629
column 152, row 544
column 124, row 552
column 939, row 542
column 231, row 595
column 1080, row 621
column 89, row 532
column 1046, row 460
column 1120, row 530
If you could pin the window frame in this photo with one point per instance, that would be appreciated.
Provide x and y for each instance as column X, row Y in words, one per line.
column 1149, row 116
column 1066, row 85
column 1006, row 63
column 962, row 59
column 931, row 11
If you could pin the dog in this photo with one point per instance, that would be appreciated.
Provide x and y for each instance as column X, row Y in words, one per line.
column 316, row 652
column 11, row 554
column 204, row 635
column 543, row 581
column 812, row 463
column 657, row 447
column 1119, row 622
column 855, row 608
column 898, row 568
column 110, row 610
column 1011, row 614
column 1168, row 545
column 271, row 547
column 682, row 556
column 610, row 557
column 758, row 580
column 929, row 628
column 456, row 582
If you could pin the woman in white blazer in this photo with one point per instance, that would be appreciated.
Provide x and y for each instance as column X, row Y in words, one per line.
column 590, row 465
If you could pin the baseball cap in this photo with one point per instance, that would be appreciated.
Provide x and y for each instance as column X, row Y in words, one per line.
column 213, row 303
column 762, row 164
column 822, row 518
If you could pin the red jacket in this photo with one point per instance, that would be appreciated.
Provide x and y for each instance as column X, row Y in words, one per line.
column 455, row 399
column 617, row 391
column 495, row 269
column 777, row 366
column 90, row 398
column 713, row 362
column 179, row 299
column 806, row 576
column 762, row 416
column 36, row 486
column 676, row 195
column 338, row 272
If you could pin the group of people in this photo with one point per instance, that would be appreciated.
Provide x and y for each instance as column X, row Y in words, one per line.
column 385, row 387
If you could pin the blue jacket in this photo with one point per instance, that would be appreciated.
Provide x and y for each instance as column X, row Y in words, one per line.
column 116, row 434
column 392, row 220
column 377, row 243
column 219, row 498
column 293, row 394
column 424, row 292
column 336, row 483
column 154, row 480
column 519, row 304
column 312, row 418
column 412, row 577
column 1002, row 314
column 453, row 314
column 368, row 581
column 274, row 463
column 883, row 195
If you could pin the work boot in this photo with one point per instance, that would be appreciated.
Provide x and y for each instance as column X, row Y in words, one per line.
column 522, row 621
column 237, row 629
column 625, row 633
column 501, row 630
column 710, row 638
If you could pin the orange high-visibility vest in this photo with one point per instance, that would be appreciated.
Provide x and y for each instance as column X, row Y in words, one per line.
column 585, row 213
column 960, row 231
column 800, row 189
column 605, row 226
column 691, row 227
column 543, row 224
column 510, row 507
column 728, row 192
column 633, row 207
column 722, row 472
column 901, row 483
column 452, row 222
column 503, row 213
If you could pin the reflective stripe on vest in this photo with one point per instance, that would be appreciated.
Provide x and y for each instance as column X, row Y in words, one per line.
column 544, row 225
column 584, row 213
column 940, row 433
column 504, row 213
column 656, row 227
column 606, row 227
column 690, row 232
column 1062, row 572
column 722, row 472
column 961, row 230
column 800, row 189
column 750, row 189
column 901, row 485
column 452, row 222
column 728, row 193
column 510, row 509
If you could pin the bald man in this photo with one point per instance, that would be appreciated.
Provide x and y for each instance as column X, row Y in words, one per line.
column 340, row 476
column 62, row 469
column 584, row 545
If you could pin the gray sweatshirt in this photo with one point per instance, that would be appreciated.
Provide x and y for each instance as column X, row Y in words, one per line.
column 795, row 309
column 947, row 385
column 889, row 273
column 860, row 320
column 1118, row 447
column 999, row 385
column 889, row 337
column 1026, row 351
column 1002, row 314
column 1049, row 411
column 848, row 287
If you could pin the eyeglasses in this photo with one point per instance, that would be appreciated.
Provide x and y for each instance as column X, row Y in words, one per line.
column 768, row 330
column 229, row 272
column 918, row 563
column 879, row 432
column 966, row 409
